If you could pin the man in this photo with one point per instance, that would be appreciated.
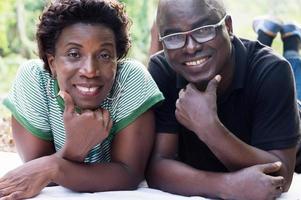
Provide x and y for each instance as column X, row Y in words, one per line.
column 229, row 125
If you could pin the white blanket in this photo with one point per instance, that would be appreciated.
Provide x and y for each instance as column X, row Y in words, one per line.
column 9, row 161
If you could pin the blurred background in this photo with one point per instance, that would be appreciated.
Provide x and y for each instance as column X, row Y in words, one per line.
column 18, row 19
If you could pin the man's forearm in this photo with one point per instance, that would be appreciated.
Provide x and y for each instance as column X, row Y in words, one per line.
column 175, row 177
column 231, row 151
column 236, row 154
column 178, row 178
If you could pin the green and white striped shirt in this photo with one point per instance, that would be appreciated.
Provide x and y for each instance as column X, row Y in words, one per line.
column 30, row 102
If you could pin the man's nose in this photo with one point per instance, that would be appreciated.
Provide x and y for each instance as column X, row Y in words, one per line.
column 191, row 45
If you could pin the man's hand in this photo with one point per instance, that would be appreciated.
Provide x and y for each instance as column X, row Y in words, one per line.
column 27, row 180
column 255, row 183
column 197, row 110
column 83, row 131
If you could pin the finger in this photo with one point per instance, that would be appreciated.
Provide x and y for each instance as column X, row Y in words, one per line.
column 213, row 83
column 191, row 89
column 191, row 86
column 178, row 111
column 69, row 104
column 88, row 114
column 280, row 189
column 7, row 191
column 99, row 114
column 178, row 115
column 5, row 184
column 178, row 104
column 278, row 192
column 15, row 195
column 271, row 167
column 181, row 93
column 278, row 181
column 110, row 125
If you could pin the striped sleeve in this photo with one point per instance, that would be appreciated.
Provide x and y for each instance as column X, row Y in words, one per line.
column 27, row 99
column 138, row 94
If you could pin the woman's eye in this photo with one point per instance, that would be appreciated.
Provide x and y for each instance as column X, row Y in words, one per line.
column 73, row 54
column 105, row 56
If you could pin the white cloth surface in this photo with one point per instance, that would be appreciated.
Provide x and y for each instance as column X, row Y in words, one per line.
column 10, row 161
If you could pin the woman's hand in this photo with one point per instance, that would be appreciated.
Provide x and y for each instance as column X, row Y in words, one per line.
column 29, row 179
column 83, row 131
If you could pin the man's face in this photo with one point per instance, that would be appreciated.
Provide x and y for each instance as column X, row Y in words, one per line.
column 197, row 62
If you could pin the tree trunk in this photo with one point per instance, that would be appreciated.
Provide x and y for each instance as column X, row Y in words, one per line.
column 27, row 46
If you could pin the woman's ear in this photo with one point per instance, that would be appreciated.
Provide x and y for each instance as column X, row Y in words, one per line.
column 51, row 64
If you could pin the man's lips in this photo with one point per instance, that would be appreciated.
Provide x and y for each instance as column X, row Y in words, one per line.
column 197, row 62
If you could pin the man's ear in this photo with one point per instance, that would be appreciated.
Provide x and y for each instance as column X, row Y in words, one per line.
column 51, row 64
column 229, row 26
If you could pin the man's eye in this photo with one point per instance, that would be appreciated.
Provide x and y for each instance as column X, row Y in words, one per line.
column 205, row 30
column 175, row 37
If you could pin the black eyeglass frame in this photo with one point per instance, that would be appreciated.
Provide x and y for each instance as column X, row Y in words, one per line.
column 185, row 33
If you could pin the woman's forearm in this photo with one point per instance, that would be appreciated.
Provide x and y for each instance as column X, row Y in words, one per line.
column 96, row 177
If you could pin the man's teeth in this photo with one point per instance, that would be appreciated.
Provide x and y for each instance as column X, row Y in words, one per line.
column 87, row 89
column 196, row 62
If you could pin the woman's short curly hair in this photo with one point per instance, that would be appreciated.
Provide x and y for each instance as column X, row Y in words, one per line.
column 62, row 13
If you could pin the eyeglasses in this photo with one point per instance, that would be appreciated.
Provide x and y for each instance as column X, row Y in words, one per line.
column 200, row 34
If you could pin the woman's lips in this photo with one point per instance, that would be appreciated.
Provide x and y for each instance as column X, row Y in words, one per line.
column 88, row 90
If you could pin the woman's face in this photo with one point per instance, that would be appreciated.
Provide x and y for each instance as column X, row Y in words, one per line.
column 85, row 63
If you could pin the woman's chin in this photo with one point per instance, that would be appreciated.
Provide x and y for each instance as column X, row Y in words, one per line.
column 87, row 105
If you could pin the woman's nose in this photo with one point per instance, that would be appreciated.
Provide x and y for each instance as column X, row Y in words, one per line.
column 90, row 68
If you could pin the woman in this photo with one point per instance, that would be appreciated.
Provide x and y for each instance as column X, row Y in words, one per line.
column 81, row 118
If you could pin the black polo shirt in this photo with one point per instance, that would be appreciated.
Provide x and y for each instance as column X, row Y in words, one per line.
column 259, row 107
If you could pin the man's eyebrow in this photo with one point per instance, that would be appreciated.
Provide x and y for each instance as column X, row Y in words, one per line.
column 202, row 22
column 171, row 30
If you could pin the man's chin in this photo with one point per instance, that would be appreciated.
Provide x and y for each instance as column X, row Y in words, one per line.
column 202, row 85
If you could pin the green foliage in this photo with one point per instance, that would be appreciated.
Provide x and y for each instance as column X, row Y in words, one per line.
column 8, row 68
column 141, row 13
column 6, row 14
column 33, row 11
column 10, row 42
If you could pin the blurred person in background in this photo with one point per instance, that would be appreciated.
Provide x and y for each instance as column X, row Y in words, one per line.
column 268, row 27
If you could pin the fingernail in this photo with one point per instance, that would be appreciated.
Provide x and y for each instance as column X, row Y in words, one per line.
column 218, row 78
column 278, row 163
